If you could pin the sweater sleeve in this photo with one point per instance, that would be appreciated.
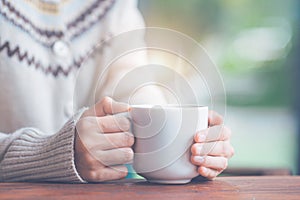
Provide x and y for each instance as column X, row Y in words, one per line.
column 30, row 155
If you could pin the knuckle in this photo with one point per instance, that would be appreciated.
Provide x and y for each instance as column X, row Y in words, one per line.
column 107, row 104
column 106, row 100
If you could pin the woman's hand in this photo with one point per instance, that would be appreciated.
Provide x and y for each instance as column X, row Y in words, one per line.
column 103, row 143
column 212, row 147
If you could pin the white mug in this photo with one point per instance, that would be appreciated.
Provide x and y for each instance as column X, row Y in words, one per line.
column 163, row 138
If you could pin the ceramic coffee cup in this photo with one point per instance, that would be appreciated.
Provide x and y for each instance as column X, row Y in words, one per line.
column 163, row 138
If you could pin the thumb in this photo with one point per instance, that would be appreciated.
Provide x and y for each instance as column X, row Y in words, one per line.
column 107, row 106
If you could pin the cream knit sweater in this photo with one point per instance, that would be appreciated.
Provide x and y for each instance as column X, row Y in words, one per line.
column 42, row 46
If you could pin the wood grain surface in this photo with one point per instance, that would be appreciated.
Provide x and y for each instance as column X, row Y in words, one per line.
column 248, row 187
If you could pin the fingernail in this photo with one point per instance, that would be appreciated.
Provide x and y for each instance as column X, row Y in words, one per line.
column 199, row 159
column 198, row 150
column 201, row 138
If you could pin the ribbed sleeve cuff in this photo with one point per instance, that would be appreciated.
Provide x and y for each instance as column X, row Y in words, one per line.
column 34, row 156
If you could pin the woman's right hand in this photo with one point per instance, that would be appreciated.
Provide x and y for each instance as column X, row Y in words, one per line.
column 103, row 142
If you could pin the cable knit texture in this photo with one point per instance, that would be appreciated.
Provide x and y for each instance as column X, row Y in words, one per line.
column 43, row 45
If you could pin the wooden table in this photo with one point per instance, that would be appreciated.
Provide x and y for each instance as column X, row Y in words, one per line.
column 263, row 187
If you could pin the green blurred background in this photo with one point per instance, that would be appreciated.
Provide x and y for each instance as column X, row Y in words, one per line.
column 253, row 44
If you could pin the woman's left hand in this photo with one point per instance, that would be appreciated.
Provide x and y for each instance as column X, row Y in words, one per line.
column 212, row 147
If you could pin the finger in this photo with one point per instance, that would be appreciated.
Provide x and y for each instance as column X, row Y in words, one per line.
column 111, row 141
column 215, row 133
column 208, row 173
column 114, row 156
column 216, row 163
column 113, row 124
column 107, row 106
column 107, row 174
column 214, row 118
column 221, row 148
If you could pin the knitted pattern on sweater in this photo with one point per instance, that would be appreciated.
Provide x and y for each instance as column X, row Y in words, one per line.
column 42, row 46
